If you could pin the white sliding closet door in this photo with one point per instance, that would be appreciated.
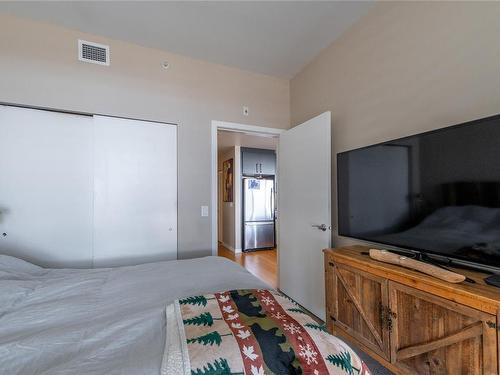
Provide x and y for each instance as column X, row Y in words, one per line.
column 46, row 186
column 135, row 203
column 83, row 191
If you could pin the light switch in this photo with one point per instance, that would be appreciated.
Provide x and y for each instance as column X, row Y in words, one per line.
column 204, row 211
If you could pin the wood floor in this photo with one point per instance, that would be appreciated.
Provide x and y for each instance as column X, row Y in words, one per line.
column 262, row 263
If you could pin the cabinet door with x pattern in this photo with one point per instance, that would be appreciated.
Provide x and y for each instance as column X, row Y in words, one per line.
column 360, row 307
column 432, row 335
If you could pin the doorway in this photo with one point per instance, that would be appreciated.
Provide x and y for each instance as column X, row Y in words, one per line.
column 304, row 205
column 233, row 147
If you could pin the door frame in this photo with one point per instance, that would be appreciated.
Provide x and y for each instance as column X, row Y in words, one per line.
column 233, row 127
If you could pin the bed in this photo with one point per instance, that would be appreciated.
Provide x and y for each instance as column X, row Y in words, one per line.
column 103, row 321
column 470, row 232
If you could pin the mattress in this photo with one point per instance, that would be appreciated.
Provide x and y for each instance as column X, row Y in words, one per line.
column 113, row 320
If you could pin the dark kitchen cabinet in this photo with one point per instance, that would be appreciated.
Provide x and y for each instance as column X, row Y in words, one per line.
column 258, row 162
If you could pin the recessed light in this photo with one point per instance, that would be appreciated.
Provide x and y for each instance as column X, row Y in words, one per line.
column 165, row 64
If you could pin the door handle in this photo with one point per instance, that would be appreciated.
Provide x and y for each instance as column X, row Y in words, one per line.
column 322, row 227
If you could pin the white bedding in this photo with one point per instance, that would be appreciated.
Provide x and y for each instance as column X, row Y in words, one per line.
column 98, row 321
column 449, row 229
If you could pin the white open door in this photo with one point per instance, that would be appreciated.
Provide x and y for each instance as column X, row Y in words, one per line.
column 304, row 160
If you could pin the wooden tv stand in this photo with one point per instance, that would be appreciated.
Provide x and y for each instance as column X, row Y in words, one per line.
column 410, row 322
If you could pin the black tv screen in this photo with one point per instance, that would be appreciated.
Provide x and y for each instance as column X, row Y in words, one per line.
column 436, row 192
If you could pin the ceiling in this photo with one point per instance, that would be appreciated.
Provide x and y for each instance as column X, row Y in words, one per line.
column 277, row 38
column 228, row 139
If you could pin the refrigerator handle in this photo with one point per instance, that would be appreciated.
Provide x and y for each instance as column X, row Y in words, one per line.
column 256, row 168
column 260, row 167
column 272, row 203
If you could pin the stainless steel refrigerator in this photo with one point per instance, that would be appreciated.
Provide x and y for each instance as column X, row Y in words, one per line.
column 258, row 213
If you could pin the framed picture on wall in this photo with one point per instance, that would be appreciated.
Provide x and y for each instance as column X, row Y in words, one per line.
column 227, row 175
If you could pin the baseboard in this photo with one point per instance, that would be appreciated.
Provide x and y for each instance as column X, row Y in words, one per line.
column 227, row 246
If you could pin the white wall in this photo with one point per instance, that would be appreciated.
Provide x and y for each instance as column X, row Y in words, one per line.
column 238, row 199
column 231, row 211
column 39, row 67
column 405, row 68
column 228, row 238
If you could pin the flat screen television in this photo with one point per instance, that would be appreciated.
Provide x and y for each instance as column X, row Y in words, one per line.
column 437, row 192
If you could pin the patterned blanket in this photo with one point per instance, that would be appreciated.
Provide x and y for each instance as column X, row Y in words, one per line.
column 251, row 332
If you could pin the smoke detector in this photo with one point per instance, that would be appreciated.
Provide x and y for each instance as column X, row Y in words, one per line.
column 94, row 53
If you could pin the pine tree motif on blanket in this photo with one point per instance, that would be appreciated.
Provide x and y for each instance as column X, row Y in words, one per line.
column 205, row 319
column 208, row 339
column 218, row 367
column 319, row 327
column 195, row 300
column 343, row 361
column 293, row 309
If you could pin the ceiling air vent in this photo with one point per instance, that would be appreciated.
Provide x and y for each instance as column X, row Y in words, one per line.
column 93, row 52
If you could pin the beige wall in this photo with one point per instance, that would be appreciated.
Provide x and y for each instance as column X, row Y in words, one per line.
column 405, row 68
column 231, row 237
column 39, row 67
